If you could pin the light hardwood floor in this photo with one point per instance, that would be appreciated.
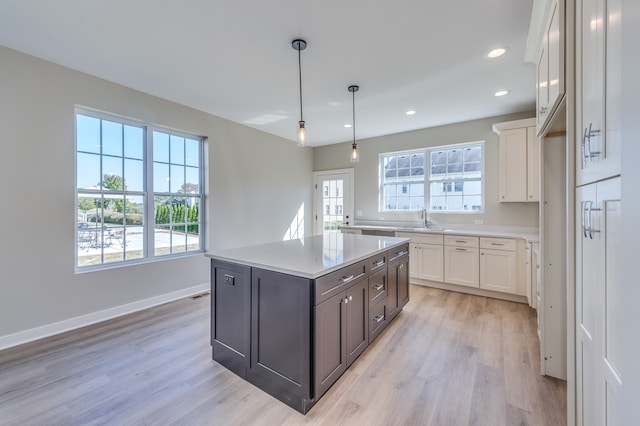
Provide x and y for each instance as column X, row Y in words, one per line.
column 447, row 359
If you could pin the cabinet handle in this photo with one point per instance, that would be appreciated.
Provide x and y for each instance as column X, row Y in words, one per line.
column 345, row 300
column 346, row 279
column 543, row 110
column 401, row 266
column 497, row 244
column 378, row 318
column 460, row 249
column 350, row 298
column 378, row 263
column 590, row 215
column 378, row 286
column 591, row 133
column 459, row 241
column 584, row 219
column 583, row 148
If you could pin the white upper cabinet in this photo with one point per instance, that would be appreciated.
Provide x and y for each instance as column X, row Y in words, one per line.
column 550, row 65
column 519, row 161
column 598, row 91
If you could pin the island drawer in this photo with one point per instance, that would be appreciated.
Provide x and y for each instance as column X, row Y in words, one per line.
column 377, row 319
column 377, row 263
column 333, row 283
column 461, row 241
column 377, row 287
column 397, row 252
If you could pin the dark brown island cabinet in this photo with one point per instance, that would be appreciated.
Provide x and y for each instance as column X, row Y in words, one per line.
column 294, row 336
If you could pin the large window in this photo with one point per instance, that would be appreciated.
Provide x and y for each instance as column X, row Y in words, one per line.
column 452, row 182
column 127, row 211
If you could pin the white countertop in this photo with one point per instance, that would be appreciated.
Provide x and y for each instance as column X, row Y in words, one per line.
column 309, row 257
column 526, row 233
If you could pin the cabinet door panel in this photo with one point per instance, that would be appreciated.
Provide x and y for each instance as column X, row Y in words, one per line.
column 230, row 316
column 513, row 165
column 498, row 270
column 330, row 342
column 428, row 262
column 461, row 266
column 357, row 324
column 280, row 324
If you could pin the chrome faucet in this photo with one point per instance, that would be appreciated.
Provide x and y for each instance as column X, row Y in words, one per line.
column 425, row 219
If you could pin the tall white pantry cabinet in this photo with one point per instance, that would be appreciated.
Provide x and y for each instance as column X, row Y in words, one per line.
column 598, row 212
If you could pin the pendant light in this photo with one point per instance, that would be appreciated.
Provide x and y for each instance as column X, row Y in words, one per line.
column 355, row 156
column 300, row 45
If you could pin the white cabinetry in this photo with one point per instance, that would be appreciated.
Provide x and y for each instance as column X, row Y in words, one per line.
column 598, row 103
column 598, row 296
column 519, row 161
column 427, row 257
column 498, row 264
column 550, row 65
column 461, row 260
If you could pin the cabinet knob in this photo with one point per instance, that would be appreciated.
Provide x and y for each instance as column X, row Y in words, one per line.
column 350, row 298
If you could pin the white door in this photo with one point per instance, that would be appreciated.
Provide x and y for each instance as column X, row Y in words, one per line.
column 333, row 200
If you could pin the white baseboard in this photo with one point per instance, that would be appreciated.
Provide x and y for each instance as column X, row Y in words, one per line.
column 48, row 330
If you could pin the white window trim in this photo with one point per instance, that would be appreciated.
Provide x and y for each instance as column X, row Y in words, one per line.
column 427, row 177
column 147, row 193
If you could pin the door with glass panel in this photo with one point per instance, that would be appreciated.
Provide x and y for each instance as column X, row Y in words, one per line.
column 333, row 200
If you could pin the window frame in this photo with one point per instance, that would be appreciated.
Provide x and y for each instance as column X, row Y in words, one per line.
column 427, row 178
column 147, row 193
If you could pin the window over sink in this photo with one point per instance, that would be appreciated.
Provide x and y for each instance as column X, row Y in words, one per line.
column 441, row 179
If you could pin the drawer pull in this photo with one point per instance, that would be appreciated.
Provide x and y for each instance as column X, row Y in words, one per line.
column 378, row 318
column 400, row 253
column 497, row 244
column 346, row 279
column 378, row 263
column 460, row 249
column 378, row 286
column 347, row 299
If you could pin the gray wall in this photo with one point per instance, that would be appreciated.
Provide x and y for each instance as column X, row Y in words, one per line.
column 257, row 183
column 366, row 171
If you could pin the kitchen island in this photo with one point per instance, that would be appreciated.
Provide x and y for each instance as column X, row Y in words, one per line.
column 292, row 316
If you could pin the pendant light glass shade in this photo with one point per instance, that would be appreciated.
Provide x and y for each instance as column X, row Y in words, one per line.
column 302, row 133
column 355, row 155
column 300, row 45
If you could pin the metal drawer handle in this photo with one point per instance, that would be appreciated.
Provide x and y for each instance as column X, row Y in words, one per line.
column 461, row 241
column 379, row 263
column 378, row 318
column 378, row 286
column 460, row 249
column 497, row 244
column 347, row 299
column 346, row 279
column 401, row 253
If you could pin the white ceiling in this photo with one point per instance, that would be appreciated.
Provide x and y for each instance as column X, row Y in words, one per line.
column 234, row 58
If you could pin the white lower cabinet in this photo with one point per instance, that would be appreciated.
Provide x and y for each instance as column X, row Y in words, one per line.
column 427, row 261
column 498, row 264
column 461, row 261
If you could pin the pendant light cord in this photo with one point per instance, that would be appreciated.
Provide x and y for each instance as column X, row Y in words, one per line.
column 353, row 95
column 300, row 75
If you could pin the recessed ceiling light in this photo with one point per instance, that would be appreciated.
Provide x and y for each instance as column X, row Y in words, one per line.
column 410, row 112
column 497, row 52
column 501, row 93
column 348, row 126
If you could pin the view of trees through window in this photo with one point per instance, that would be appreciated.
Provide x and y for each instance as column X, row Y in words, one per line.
column 113, row 187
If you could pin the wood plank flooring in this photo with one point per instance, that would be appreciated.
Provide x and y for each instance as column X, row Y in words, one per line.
column 447, row 359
